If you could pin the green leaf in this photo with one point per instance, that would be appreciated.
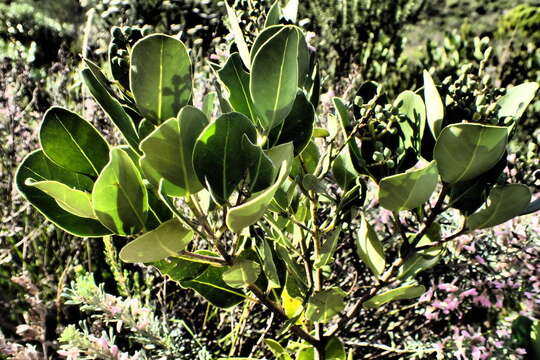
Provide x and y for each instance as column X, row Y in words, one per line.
column 344, row 171
column 178, row 269
column 505, row 202
column 166, row 240
column 110, row 105
column 414, row 121
column 236, row 31
column 160, row 77
column 168, row 152
column 274, row 77
column 210, row 285
column 274, row 15
column 424, row 259
column 277, row 350
column 290, row 11
column 334, row 349
column 346, row 129
column 328, row 248
column 218, row 158
column 37, row 166
column 325, row 304
column 242, row 273
column 516, row 100
column 320, row 132
column 464, row 151
column 401, row 293
column 369, row 248
column 434, row 105
column 408, row 190
column 254, row 208
column 72, row 142
column 297, row 126
column 533, row 207
column 268, row 264
column 119, row 197
column 237, row 82
column 261, row 169
column 209, row 101
column 74, row 201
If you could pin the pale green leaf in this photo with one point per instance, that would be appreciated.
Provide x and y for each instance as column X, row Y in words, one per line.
column 464, row 151
column 166, row 240
column 242, row 273
column 434, row 105
column 413, row 122
column 160, row 77
column 402, row 293
column 408, row 190
column 369, row 248
column 505, row 203
column 119, row 196
column 325, row 304
column 236, row 31
column 74, row 201
column 516, row 100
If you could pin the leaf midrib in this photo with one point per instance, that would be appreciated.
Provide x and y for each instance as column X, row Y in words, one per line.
column 77, row 145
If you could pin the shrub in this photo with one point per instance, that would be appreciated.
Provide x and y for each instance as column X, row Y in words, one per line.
column 245, row 199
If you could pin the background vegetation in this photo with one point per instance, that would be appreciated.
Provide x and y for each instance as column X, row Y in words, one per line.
column 62, row 296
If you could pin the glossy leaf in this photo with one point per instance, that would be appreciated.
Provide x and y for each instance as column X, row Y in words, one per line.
column 516, row 100
column 74, row 201
column 119, row 197
column 413, row 122
column 533, row 207
column 160, row 77
column 324, row 305
column 274, row 77
column 218, row 158
column 346, row 129
column 168, row 153
column 164, row 241
column 369, row 248
column 297, row 126
column 424, row 259
column 242, row 273
column 505, row 202
column 178, row 269
column 274, row 15
column 254, row 208
column 401, row 293
column 434, row 105
column 237, row 82
column 110, row 105
column 464, row 151
column 72, row 142
column 408, row 190
column 38, row 167
column 236, row 31
column 208, row 105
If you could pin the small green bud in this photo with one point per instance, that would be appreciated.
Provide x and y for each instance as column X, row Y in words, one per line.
column 387, row 152
column 377, row 156
column 391, row 164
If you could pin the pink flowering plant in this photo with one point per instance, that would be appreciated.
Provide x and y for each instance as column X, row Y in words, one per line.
column 250, row 196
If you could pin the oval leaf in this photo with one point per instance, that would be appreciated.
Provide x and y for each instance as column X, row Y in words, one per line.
column 236, row 31
column 160, row 77
column 408, row 190
column 72, row 142
column 369, row 248
column 242, row 273
column 516, row 99
column 119, row 197
column 37, row 166
column 413, row 122
column 168, row 153
column 434, row 105
column 464, row 151
column 164, row 241
column 274, row 77
column 505, row 202
column 252, row 210
column 401, row 293
column 74, row 201
column 325, row 304
column 218, row 158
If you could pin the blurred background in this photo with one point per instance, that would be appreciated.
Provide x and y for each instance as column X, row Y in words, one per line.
column 59, row 293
